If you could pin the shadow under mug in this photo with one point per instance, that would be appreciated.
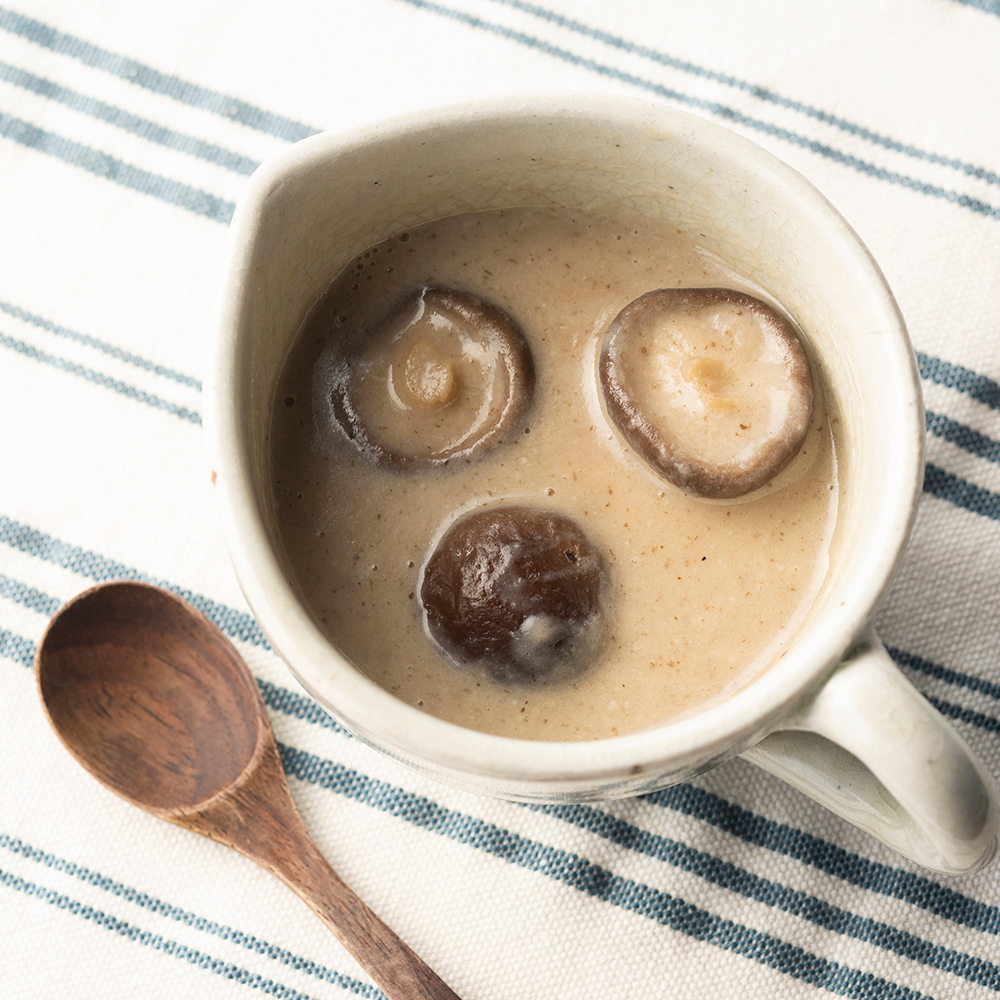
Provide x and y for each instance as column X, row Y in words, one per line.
column 833, row 716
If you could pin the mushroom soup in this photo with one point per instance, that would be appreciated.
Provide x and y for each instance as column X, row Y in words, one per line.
column 527, row 496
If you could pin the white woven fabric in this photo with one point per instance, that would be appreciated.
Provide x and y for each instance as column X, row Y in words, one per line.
column 126, row 135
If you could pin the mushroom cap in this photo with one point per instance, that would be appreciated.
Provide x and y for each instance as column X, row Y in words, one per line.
column 710, row 386
column 443, row 375
column 517, row 592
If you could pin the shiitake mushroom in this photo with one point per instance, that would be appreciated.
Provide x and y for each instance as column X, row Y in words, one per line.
column 444, row 375
column 710, row 386
column 518, row 593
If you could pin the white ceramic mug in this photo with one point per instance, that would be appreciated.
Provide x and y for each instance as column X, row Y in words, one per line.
column 834, row 716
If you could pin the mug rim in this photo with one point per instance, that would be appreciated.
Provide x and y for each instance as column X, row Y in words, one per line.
column 472, row 757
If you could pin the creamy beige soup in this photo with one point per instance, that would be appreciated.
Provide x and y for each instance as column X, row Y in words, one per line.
column 702, row 594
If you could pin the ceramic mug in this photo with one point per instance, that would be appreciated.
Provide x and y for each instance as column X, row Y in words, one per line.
column 833, row 716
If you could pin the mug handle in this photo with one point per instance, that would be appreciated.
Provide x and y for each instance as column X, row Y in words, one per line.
column 868, row 746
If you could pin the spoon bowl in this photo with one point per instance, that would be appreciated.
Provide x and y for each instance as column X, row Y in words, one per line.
column 156, row 706
column 153, row 700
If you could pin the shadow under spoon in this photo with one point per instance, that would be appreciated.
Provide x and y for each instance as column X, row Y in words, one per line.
column 153, row 700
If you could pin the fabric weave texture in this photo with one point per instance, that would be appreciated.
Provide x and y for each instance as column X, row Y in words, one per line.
column 127, row 133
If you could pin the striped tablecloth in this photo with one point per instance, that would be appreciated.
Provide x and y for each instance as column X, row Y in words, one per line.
column 127, row 132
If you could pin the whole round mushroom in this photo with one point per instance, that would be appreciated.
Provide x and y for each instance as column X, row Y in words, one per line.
column 517, row 592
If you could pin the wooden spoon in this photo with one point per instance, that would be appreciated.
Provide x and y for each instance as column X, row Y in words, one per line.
column 152, row 699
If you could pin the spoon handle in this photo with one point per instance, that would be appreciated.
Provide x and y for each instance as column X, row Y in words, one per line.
column 401, row 973
column 258, row 818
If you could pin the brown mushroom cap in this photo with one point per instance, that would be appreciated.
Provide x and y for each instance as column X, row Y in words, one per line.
column 710, row 386
column 444, row 375
column 518, row 593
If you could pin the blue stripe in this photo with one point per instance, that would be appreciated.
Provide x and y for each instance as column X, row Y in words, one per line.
column 298, row 706
column 800, row 904
column 989, row 6
column 923, row 666
column 164, row 909
column 962, row 436
column 683, row 798
column 22, row 650
column 692, row 801
column 235, row 109
column 932, row 369
column 157, row 942
column 142, row 127
column 110, row 349
column 960, row 492
column 610, row 828
column 152, row 79
column 982, row 389
column 593, row 880
column 967, row 715
column 705, row 866
column 828, row 857
column 727, row 113
column 307, row 709
column 97, row 378
column 33, row 542
column 117, row 171
column 754, row 90
column 17, row 648
column 281, row 699
column 21, row 593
